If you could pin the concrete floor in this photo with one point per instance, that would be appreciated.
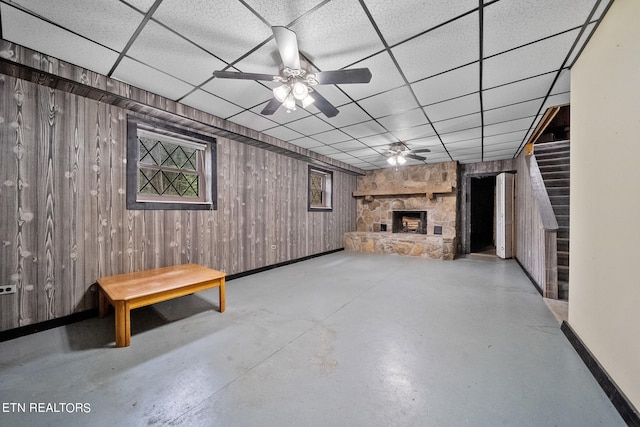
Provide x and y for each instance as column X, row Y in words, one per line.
column 345, row 339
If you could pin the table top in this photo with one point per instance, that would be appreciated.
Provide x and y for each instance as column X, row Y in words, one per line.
column 149, row 282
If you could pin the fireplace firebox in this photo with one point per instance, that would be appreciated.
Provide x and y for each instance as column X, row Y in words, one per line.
column 409, row 222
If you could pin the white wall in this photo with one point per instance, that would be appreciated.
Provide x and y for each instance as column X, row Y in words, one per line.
column 604, row 300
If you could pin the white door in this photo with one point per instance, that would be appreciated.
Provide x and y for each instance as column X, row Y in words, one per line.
column 504, row 215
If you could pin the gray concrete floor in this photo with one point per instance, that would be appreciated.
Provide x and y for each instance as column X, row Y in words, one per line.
column 345, row 339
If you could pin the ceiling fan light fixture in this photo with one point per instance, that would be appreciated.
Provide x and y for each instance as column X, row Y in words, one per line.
column 392, row 160
column 281, row 92
column 289, row 103
column 401, row 160
column 307, row 100
column 300, row 90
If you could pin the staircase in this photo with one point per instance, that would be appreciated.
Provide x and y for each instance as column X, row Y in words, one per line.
column 553, row 161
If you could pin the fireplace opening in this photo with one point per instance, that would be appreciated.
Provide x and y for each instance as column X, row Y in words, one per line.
column 409, row 222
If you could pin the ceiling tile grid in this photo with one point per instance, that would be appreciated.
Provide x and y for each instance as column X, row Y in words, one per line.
column 469, row 80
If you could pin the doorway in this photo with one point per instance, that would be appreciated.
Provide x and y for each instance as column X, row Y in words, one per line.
column 482, row 215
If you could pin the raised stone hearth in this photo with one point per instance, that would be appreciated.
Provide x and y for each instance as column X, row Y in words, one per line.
column 431, row 247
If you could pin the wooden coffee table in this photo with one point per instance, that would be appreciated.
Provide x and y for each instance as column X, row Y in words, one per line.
column 133, row 290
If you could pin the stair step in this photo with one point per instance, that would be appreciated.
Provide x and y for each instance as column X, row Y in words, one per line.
column 558, row 191
column 563, row 259
column 563, row 290
column 566, row 174
column 563, row 232
column 563, row 244
column 563, row 220
column 556, row 182
column 559, row 153
column 553, row 160
column 553, row 168
column 559, row 209
column 551, row 145
column 563, row 273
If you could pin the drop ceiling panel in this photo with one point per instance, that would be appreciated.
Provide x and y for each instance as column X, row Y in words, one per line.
column 310, row 125
column 214, row 28
column 349, row 114
column 404, row 120
column 18, row 26
column 510, row 126
column 282, row 13
column 147, row 78
column 514, row 23
column 563, row 83
column 185, row 61
column 108, row 23
column 252, row 120
column 245, row 93
column 349, row 146
column 283, row 133
column 326, row 150
column 211, row 104
column 364, row 153
column 402, row 19
column 453, row 108
column 442, row 49
column 461, row 81
column 384, row 76
column 505, row 138
column 388, row 103
column 379, row 140
column 531, row 60
column 524, row 90
column 142, row 5
column 331, row 137
column 514, row 111
column 459, row 123
column 555, row 100
column 581, row 42
column 415, row 132
column 336, row 35
column 306, row 142
column 342, row 156
column 361, row 130
column 464, row 135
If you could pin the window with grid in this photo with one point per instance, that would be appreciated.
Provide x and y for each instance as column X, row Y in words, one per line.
column 320, row 189
column 169, row 168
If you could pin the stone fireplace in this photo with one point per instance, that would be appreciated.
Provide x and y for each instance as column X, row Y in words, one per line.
column 408, row 211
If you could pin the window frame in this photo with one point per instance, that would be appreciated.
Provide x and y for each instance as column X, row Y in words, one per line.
column 327, row 190
column 173, row 135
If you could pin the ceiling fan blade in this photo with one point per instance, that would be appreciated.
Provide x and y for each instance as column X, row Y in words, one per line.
column 421, row 150
column 243, row 76
column 356, row 75
column 323, row 105
column 413, row 156
column 271, row 107
column 287, row 46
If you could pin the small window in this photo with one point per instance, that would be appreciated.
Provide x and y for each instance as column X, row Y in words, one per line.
column 320, row 189
column 169, row 168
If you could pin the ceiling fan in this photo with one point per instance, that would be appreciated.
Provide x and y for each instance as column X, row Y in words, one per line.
column 297, row 80
column 397, row 154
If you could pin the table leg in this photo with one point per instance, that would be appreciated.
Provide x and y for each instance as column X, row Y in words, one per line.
column 123, row 324
column 103, row 303
column 222, row 295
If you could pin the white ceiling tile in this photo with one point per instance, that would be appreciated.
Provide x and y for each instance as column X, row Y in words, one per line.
column 282, row 13
column 306, row 142
column 252, row 121
column 563, row 83
column 147, row 78
column 378, row 140
column 453, row 108
column 475, row 133
column 510, row 126
column 109, row 23
column 384, row 76
column 442, row 49
column 404, row 120
column 216, row 32
column 331, row 94
column 160, row 48
column 341, row 156
column 504, row 138
column 555, row 100
column 265, row 60
column 142, row 5
column 402, row 19
column 211, row 104
column 388, row 103
column 246, row 93
column 510, row 24
column 348, row 115
column 433, row 143
column 310, row 125
column 331, row 137
column 283, row 133
column 364, row 153
column 524, row 90
column 336, row 35
column 456, row 147
column 459, row 123
column 531, row 60
column 326, row 150
column 41, row 36
column 349, row 145
column 461, row 81
column 361, row 130
column 513, row 111
column 420, row 131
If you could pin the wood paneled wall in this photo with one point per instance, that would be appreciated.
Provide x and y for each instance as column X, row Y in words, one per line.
column 64, row 221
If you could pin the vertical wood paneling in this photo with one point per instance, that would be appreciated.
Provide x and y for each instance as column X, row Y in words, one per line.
column 63, row 179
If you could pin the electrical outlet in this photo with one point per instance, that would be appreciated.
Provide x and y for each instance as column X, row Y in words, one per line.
column 273, row 246
column 7, row 289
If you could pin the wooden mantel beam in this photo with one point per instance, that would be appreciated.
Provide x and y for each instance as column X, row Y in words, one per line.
column 426, row 190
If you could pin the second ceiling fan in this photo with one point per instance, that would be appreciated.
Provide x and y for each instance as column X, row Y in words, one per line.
column 297, row 81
